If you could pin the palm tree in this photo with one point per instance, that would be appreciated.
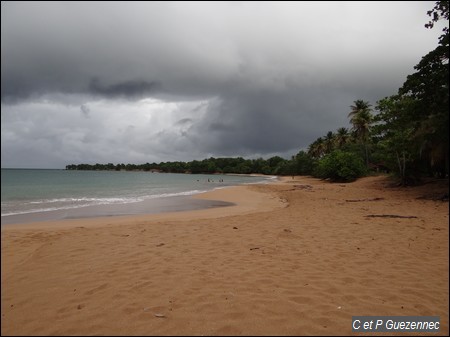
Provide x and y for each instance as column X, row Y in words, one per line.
column 361, row 118
column 342, row 137
column 317, row 148
column 329, row 142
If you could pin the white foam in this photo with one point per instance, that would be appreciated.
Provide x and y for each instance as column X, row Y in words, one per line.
column 73, row 203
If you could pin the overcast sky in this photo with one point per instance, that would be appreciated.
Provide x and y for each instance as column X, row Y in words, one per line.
column 137, row 82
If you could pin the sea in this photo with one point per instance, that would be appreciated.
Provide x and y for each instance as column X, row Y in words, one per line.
column 30, row 195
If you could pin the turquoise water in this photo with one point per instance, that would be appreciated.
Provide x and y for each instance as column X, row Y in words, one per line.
column 26, row 191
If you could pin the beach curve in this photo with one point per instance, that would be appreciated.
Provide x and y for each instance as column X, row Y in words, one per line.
column 296, row 257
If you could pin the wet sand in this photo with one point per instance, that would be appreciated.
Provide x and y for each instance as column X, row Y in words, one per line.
column 152, row 206
column 297, row 257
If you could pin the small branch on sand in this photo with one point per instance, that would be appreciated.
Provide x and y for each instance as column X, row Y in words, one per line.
column 367, row 199
column 391, row 216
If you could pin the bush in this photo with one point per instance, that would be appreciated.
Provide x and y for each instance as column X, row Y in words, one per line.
column 340, row 166
column 303, row 164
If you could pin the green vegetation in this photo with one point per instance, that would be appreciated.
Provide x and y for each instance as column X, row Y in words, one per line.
column 408, row 134
column 340, row 166
column 275, row 165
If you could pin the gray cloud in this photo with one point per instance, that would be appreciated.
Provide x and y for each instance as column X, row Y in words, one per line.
column 129, row 89
column 85, row 110
column 244, row 78
column 184, row 121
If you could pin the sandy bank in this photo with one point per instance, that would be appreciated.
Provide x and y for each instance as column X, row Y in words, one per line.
column 299, row 257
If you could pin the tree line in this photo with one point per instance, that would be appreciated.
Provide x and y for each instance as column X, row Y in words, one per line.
column 272, row 166
column 406, row 134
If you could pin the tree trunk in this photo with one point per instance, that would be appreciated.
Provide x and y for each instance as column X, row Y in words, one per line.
column 401, row 168
column 367, row 155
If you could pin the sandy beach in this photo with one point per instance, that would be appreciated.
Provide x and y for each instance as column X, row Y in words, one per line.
column 297, row 257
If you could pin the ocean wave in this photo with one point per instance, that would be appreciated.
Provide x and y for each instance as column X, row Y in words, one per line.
column 58, row 204
column 175, row 194
column 86, row 199
column 264, row 180
column 40, row 210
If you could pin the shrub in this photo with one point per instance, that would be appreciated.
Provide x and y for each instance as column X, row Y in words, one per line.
column 303, row 164
column 340, row 166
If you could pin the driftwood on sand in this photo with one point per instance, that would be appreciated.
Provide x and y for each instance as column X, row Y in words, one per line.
column 391, row 216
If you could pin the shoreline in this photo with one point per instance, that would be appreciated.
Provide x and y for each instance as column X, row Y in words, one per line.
column 150, row 204
column 296, row 257
column 219, row 202
column 149, row 207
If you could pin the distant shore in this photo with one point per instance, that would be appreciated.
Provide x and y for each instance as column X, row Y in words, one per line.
column 295, row 257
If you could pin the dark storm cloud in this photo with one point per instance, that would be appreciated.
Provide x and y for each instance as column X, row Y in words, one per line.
column 129, row 89
column 271, row 122
column 263, row 77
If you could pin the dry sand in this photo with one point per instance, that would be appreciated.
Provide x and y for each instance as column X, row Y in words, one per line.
column 298, row 257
